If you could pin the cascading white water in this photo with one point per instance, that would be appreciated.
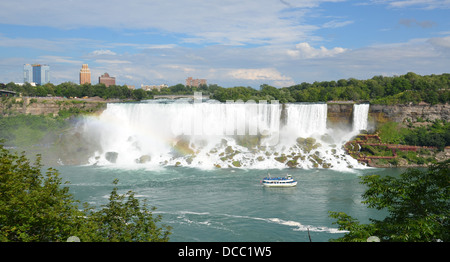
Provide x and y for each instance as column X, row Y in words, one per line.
column 360, row 119
column 212, row 134
column 306, row 120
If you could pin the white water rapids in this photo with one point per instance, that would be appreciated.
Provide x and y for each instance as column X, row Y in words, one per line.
column 209, row 134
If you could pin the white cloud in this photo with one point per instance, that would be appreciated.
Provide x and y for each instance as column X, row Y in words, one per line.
column 417, row 55
column 261, row 74
column 180, row 68
column 102, row 52
column 112, row 61
column 233, row 66
column 305, row 50
column 226, row 21
column 441, row 41
column 143, row 46
column 59, row 59
column 426, row 4
column 48, row 44
column 336, row 24
column 166, row 46
column 33, row 43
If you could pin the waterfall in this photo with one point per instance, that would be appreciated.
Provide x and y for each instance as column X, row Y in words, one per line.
column 360, row 117
column 212, row 134
column 307, row 119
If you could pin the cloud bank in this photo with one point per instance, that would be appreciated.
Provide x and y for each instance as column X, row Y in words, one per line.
column 228, row 42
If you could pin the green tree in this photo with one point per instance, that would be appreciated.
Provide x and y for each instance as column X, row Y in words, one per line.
column 401, row 83
column 432, row 97
column 179, row 89
column 267, row 90
column 37, row 208
column 123, row 219
column 138, row 94
column 33, row 207
column 87, row 90
column 418, row 203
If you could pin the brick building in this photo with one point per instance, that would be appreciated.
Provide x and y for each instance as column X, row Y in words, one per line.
column 107, row 80
column 195, row 82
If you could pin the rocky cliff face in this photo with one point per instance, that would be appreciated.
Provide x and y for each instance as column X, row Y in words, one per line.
column 339, row 115
column 342, row 114
column 401, row 113
column 46, row 106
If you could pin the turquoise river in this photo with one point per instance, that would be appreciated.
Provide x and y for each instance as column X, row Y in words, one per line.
column 231, row 205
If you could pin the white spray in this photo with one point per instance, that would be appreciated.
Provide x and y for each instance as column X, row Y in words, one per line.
column 209, row 134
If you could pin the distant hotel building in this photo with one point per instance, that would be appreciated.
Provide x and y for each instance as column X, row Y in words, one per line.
column 195, row 82
column 85, row 75
column 152, row 87
column 28, row 73
column 39, row 74
column 107, row 80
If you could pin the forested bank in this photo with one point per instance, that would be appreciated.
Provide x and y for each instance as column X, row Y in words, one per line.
column 408, row 88
column 72, row 90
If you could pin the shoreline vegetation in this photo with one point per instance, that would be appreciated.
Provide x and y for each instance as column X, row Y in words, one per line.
column 36, row 206
column 403, row 89
column 44, row 113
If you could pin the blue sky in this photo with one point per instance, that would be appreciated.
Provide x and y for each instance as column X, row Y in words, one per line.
column 228, row 42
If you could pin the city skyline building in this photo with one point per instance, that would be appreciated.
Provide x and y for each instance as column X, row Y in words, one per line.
column 41, row 74
column 27, row 73
column 195, row 82
column 36, row 73
column 107, row 80
column 85, row 74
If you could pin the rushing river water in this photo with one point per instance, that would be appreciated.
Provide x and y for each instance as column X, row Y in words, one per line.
column 200, row 164
column 225, row 205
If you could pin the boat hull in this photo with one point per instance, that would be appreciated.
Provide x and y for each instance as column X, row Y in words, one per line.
column 289, row 184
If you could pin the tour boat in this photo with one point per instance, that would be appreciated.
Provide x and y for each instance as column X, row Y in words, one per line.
column 286, row 181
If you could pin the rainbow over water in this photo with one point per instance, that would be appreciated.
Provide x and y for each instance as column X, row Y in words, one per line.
column 209, row 134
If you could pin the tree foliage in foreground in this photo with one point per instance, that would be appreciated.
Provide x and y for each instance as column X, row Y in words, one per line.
column 418, row 203
column 35, row 207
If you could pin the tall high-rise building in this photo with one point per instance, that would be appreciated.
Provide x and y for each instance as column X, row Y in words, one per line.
column 39, row 74
column 27, row 73
column 107, row 80
column 85, row 75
